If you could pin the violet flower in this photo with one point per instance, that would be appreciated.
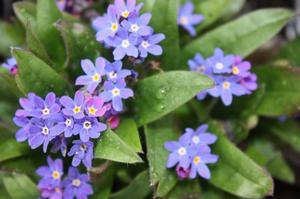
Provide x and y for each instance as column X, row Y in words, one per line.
column 74, row 108
column 82, row 152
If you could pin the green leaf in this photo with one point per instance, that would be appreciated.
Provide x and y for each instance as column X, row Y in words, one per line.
column 263, row 152
column 112, row 147
column 10, row 148
column 281, row 97
column 235, row 172
column 241, row 36
column 157, row 157
column 186, row 189
column 160, row 94
column 80, row 43
column 26, row 12
column 211, row 10
column 137, row 189
column 35, row 45
column 36, row 76
column 148, row 5
column 12, row 34
column 20, row 186
column 289, row 53
column 8, row 87
column 129, row 133
column 47, row 15
column 233, row 8
column 164, row 20
column 287, row 132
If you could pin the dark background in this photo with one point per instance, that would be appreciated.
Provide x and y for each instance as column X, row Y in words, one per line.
column 282, row 190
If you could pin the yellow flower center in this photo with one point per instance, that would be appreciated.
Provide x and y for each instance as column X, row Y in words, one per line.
column 76, row 182
column 114, row 26
column 55, row 175
column 116, row 91
column 96, row 77
column 57, row 190
column 184, row 20
column 226, row 85
column 92, row 110
column 46, row 111
column 125, row 14
column 235, row 70
column 76, row 109
column 196, row 160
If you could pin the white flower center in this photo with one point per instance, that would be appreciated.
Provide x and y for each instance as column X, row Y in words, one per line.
column 87, row 125
column 184, row 20
column 125, row 43
column 112, row 75
column 181, row 151
column 45, row 130
column 196, row 139
column 46, row 111
column 76, row 182
column 134, row 27
column 68, row 122
column 219, row 66
column 145, row 44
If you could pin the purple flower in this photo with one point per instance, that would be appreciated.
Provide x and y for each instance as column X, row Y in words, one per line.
column 149, row 45
column 11, row 65
column 199, row 64
column 74, row 108
column 82, row 152
column 59, row 144
column 107, row 25
column 76, row 185
column 52, row 192
column 138, row 25
column 199, row 164
column 93, row 73
column 201, row 136
column 127, row 9
column 28, row 106
column 180, row 152
column 187, row 19
column 23, row 133
column 64, row 124
column 115, row 92
column 89, row 128
column 61, row 4
column 241, row 68
column 182, row 173
column 113, row 121
column 41, row 133
column 46, row 109
column 95, row 108
column 221, row 63
column 249, row 82
column 226, row 87
column 114, row 71
column 51, row 174
column 124, row 44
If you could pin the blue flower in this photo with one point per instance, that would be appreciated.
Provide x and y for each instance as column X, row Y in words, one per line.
column 150, row 45
column 114, row 71
column 187, row 19
column 221, row 63
column 77, row 185
column 138, row 25
column 115, row 92
column 93, row 73
column 125, row 44
column 82, row 152
column 11, row 65
column 74, row 108
column 127, row 9
column 199, row 166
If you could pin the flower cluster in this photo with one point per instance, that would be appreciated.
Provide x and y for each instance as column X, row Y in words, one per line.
column 231, row 74
column 11, row 65
column 52, row 184
column 187, row 19
column 191, row 153
column 128, row 33
column 73, row 6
